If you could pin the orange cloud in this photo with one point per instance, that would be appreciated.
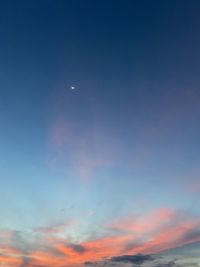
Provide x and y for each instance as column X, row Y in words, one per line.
column 153, row 233
column 10, row 257
column 46, row 259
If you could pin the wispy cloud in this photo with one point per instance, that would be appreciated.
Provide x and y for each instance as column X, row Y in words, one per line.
column 58, row 228
column 83, row 154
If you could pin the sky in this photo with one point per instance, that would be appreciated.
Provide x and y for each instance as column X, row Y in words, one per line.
column 99, row 133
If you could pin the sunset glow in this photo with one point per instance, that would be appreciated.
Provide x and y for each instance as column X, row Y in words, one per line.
column 99, row 138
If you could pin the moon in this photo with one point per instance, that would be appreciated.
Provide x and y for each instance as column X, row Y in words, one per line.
column 72, row 87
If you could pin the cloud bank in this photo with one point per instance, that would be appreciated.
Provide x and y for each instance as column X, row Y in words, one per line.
column 133, row 240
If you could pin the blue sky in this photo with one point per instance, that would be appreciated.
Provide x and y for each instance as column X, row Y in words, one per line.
column 124, row 144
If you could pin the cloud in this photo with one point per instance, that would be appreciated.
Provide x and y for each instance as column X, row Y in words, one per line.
column 56, row 228
column 25, row 262
column 137, row 259
column 148, row 222
column 10, row 256
column 130, row 240
column 158, row 231
column 83, row 154
column 78, row 248
column 82, row 149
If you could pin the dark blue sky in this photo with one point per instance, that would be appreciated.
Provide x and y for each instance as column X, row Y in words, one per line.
column 125, row 142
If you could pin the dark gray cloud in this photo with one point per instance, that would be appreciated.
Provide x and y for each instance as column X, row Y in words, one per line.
column 137, row 259
column 132, row 245
column 168, row 264
column 191, row 235
column 78, row 248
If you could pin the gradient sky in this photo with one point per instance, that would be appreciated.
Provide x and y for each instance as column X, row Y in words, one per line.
column 112, row 167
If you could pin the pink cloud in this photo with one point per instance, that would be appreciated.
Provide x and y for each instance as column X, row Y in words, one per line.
column 147, row 223
column 152, row 233
column 82, row 154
